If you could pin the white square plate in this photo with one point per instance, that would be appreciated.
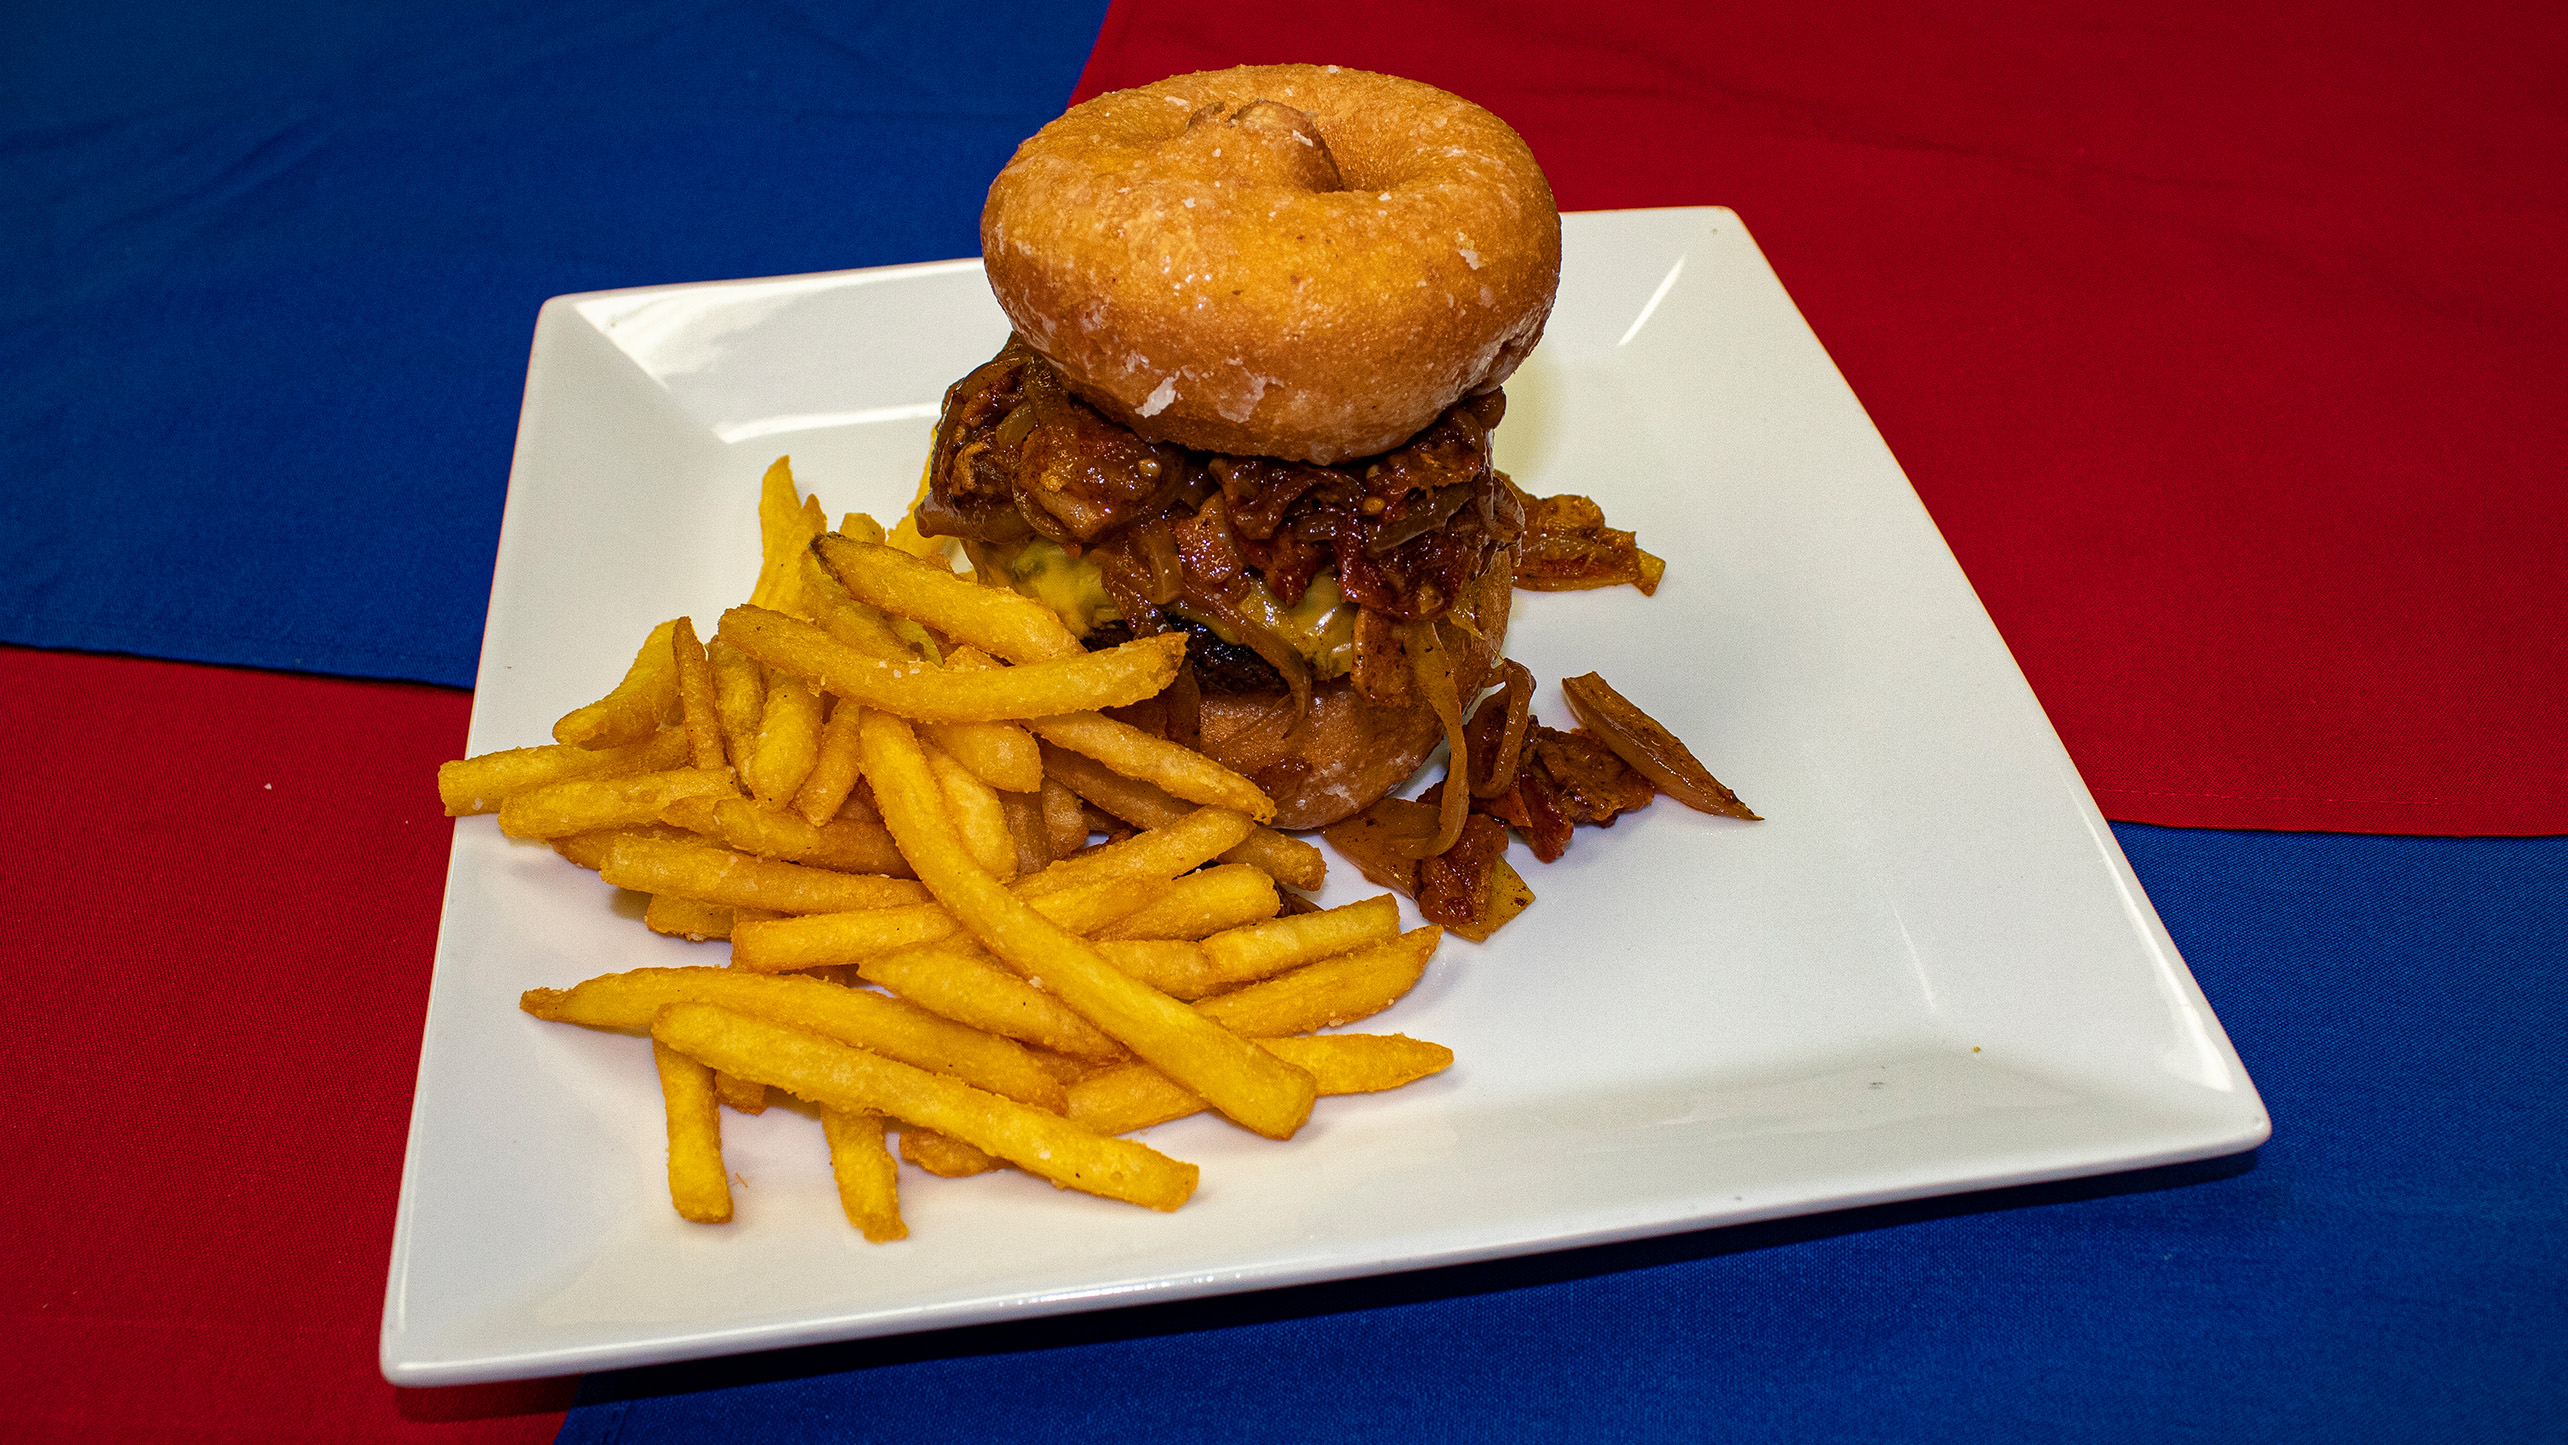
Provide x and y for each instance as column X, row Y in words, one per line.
column 1930, row 970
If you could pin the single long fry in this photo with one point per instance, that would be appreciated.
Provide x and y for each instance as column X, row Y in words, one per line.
column 646, row 698
column 698, row 1184
column 699, row 712
column 739, row 697
column 1327, row 993
column 694, row 920
column 717, row 875
column 834, row 767
column 994, row 619
column 974, row 807
column 745, row 1096
column 788, row 742
column 589, row 850
column 960, row 981
column 868, row 1181
column 1065, row 818
column 850, row 1080
column 1137, row 1096
column 848, row 845
column 786, row 524
column 1249, row 1085
column 828, row 938
column 1181, row 772
column 481, row 784
column 1202, row 903
column 1174, row 966
column 1257, row 950
column 586, row 805
column 943, row 1155
column 1290, row 860
column 853, row 1016
column 921, row 690
column 1004, row 755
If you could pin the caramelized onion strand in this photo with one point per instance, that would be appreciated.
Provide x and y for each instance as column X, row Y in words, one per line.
column 1652, row 750
column 1518, row 700
column 1434, row 664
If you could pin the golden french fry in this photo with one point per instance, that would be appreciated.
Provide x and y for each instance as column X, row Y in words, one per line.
column 1174, row 966
column 1249, row 1085
column 1136, row 1096
column 587, row 805
column 960, row 981
column 868, row 1181
column 698, row 1184
column 1065, row 819
column 1181, row 772
column 788, row 742
column 717, row 875
column 825, row 938
column 852, row 622
column 833, row 768
column 480, row 785
column 647, row 697
column 589, row 850
column 848, row 845
column 921, row 690
column 974, row 807
column 942, row 1155
column 739, row 1095
column 1327, row 993
column 1004, row 755
column 739, row 698
column 786, row 525
column 1164, row 852
column 1290, row 860
column 853, row 1016
column 851, row 1080
column 994, row 619
column 1024, row 814
column 1257, row 950
column 1201, row 903
column 694, row 920
column 698, row 713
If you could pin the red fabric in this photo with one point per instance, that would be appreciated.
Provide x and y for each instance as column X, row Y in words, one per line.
column 221, row 902
column 2223, row 341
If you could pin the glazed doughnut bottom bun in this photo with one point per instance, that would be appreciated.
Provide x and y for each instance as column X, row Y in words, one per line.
column 1290, row 261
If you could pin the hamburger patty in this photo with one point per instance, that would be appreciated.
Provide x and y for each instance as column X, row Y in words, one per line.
column 1017, row 455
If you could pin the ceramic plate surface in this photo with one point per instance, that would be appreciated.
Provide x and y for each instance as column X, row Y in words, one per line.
column 1930, row 970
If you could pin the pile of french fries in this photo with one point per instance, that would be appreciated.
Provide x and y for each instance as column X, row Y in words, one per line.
column 879, row 781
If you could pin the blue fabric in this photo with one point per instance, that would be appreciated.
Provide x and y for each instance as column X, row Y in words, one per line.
column 271, row 269
column 2393, row 1265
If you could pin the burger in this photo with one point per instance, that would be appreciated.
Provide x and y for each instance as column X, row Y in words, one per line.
column 1261, row 321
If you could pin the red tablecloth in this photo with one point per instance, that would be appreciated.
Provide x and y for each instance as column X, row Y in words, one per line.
column 2222, row 341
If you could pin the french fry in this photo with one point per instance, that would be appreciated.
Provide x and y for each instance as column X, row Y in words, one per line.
column 586, row 805
column 786, row 524
column 698, row 1184
column 1110, row 678
column 993, row 619
column 698, row 713
column 1256, row 950
column 646, row 698
column 786, row 944
column 589, row 850
column 944, row 1156
column 1136, row 1096
column 1065, row 819
column 1174, row 966
column 1164, row 852
column 1290, row 860
column 1249, row 1085
column 479, row 785
column 1004, row 755
column 1181, row 772
column 974, row 807
column 960, row 981
column 1202, row 903
column 1325, row 994
column 868, row 1180
column 853, row 1016
column 788, row 742
column 833, row 768
column 693, row 920
column 717, row 875
column 847, row 844
column 851, row 1080
column 852, row 622
column 739, row 697
column 739, row 1095
column 1024, row 813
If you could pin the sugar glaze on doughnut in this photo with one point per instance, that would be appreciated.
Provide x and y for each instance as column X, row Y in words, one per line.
column 1294, row 261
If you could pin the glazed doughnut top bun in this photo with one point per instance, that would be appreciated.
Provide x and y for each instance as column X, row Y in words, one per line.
column 1291, row 261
